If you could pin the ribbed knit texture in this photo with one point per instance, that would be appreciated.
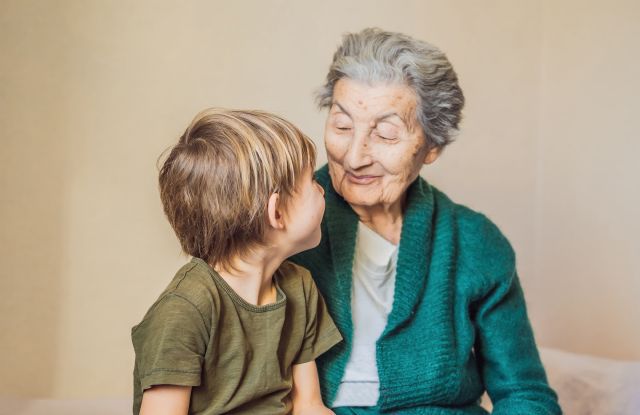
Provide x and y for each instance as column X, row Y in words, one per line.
column 458, row 322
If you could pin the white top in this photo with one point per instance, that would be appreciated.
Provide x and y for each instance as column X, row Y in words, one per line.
column 374, row 276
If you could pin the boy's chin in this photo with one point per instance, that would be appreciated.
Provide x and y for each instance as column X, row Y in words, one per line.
column 309, row 244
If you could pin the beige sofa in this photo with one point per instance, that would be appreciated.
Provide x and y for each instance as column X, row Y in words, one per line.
column 586, row 385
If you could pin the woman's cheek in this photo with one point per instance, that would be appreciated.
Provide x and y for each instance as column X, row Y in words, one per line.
column 386, row 158
column 335, row 151
column 395, row 160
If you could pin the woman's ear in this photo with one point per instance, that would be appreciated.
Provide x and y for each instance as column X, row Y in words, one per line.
column 432, row 155
column 274, row 212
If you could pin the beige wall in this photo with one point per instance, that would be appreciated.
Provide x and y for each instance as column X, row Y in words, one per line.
column 92, row 92
column 588, row 180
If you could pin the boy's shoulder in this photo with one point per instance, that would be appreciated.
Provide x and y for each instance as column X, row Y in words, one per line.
column 299, row 286
column 289, row 269
column 192, row 279
column 292, row 276
column 193, row 285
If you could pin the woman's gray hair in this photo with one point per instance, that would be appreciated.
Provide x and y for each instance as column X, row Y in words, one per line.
column 373, row 55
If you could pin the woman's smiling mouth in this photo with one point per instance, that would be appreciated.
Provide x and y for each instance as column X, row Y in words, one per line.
column 362, row 179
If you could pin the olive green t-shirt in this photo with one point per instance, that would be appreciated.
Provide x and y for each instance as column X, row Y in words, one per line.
column 236, row 356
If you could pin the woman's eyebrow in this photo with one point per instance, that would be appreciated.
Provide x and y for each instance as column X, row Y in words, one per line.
column 341, row 108
column 378, row 118
column 389, row 115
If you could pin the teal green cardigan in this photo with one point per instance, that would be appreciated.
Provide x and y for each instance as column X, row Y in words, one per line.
column 459, row 323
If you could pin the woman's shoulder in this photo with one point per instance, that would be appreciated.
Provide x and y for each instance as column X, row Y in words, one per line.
column 481, row 243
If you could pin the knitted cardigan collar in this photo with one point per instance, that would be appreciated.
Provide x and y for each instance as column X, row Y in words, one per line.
column 425, row 271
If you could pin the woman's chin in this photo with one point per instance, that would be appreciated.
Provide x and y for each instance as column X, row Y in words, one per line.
column 358, row 194
column 360, row 200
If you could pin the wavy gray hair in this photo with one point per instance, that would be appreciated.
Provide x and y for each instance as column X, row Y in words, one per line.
column 373, row 55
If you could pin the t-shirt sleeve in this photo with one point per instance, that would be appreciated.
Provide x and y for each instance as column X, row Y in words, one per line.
column 321, row 333
column 170, row 343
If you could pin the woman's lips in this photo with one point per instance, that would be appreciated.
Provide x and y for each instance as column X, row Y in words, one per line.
column 363, row 179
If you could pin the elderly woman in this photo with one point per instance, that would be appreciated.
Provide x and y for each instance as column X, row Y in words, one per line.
column 424, row 290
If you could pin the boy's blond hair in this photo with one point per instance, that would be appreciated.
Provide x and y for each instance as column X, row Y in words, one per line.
column 216, row 182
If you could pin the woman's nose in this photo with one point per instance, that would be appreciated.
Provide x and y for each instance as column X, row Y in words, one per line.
column 358, row 152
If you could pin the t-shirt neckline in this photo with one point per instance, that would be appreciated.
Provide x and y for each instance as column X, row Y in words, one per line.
column 281, row 297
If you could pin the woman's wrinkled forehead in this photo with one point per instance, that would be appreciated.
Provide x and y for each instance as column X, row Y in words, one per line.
column 373, row 103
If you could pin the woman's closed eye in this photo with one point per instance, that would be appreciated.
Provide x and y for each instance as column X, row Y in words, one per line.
column 383, row 136
column 342, row 122
column 385, row 131
column 343, row 127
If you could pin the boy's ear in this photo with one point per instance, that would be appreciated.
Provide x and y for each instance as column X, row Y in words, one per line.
column 274, row 212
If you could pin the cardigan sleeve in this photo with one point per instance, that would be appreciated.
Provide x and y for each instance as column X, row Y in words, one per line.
column 505, row 347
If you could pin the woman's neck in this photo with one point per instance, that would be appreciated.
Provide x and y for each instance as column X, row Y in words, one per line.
column 385, row 220
column 251, row 276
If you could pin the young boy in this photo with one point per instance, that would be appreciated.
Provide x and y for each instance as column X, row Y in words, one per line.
column 239, row 328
